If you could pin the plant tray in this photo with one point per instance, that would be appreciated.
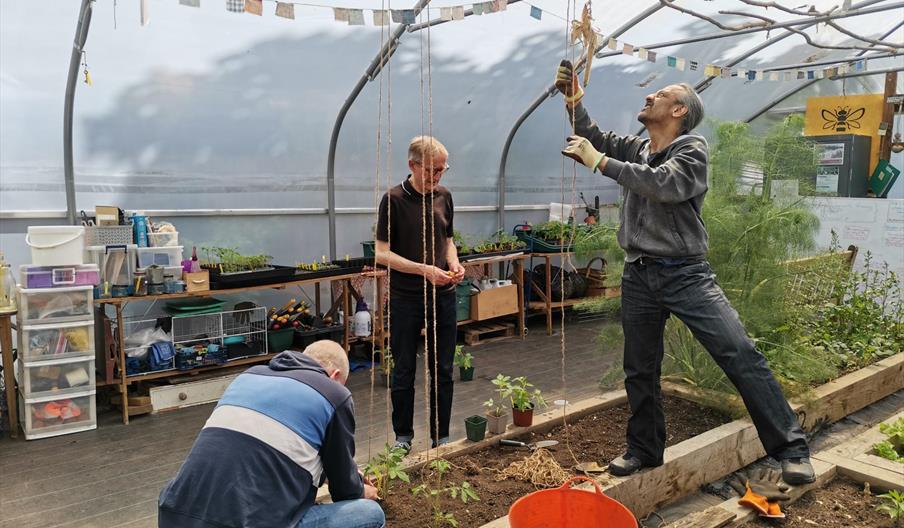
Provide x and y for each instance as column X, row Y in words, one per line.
column 475, row 256
column 241, row 279
column 355, row 265
column 319, row 274
column 537, row 245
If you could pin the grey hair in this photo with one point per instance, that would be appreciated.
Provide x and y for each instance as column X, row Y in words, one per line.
column 694, row 105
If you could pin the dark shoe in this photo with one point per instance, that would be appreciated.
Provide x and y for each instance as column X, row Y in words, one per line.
column 797, row 471
column 625, row 465
column 403, row 445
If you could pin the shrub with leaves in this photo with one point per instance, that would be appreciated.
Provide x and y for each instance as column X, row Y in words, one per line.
column 433, row 489
column 893, row 505
column 891, row 448
column 386, row 467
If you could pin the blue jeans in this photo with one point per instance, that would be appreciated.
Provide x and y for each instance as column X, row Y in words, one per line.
column 651, row 292
column 357, row 513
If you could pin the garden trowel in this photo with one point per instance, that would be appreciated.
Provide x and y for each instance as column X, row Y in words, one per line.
column 532, row 447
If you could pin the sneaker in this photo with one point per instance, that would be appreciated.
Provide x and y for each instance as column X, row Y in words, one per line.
column 625, row 465
column 403, row 445
column 442, row 441
column 797, row 471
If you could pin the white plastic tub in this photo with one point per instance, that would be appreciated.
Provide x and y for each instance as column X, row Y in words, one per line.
column 56, row 245
column 52, row 416
column 55, row 305
column 56, row 378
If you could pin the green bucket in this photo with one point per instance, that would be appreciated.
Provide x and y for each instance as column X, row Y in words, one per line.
column 463, row 300
column 279, row 340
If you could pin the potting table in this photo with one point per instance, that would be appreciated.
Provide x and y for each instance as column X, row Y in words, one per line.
column 119, row 303
column 478, row 268
column 546, row 305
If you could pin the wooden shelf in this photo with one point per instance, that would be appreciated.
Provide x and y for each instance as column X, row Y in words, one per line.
column 540, row 305
column 171, row 373
column 209, row 293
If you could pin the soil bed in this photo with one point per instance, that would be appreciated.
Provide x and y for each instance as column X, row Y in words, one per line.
column 841, row 504
column 598, row 437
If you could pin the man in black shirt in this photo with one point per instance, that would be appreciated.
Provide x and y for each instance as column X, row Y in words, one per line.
column 414, row 240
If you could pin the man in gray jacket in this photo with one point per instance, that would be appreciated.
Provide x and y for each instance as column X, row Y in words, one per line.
column 664, row 181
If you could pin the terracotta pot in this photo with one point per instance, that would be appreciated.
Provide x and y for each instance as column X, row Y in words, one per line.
column 523, row 418
column 497, row 424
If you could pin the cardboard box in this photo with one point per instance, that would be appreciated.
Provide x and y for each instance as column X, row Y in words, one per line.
column 494, row 302
column 198, row 281
column 105, row 215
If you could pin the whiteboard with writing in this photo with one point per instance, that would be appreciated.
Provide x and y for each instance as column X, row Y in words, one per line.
column 874, row 225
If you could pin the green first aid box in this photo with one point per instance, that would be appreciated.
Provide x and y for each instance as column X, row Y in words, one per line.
column 883, row 178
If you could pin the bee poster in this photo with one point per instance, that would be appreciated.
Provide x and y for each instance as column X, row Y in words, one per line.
column 859, row 115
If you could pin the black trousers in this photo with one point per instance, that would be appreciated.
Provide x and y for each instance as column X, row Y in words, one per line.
column 406, row 321
column 650, row 293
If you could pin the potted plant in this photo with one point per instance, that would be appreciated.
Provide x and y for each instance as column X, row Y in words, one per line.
column 465, row 363
column 523, row 399
column 475, row 427
column 497, row 418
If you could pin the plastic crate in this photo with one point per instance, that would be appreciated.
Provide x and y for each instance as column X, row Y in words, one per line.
column 108, row 235
column 163, row 239
column 34, row 277
column 56, row 341
column 54, row 416
column 55, row 305
column 191, row 357
column 56, row 378
column 104, row 257
column 303, row 338
column 162, row 256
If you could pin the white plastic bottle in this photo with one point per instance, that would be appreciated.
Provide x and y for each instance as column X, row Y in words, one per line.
column 362, row 320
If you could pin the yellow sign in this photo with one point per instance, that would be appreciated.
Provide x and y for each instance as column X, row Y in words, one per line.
column 859, row 115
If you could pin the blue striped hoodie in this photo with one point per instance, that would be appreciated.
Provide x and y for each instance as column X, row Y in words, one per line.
column 278, row 431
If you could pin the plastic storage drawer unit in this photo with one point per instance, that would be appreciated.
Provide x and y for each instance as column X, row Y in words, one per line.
column 54, row 416
column 56, row 378
column 161, row 256
column 37, row 342
column 56, row 305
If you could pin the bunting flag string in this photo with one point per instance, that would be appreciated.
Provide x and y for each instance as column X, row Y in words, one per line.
column 383, row 17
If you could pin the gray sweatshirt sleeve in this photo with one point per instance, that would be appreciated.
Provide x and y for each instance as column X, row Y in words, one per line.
column 678, row 179
column 624, row 148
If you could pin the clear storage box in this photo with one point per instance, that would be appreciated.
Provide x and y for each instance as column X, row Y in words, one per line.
column 163, row 239
column 54, row 416
column 55, row 305
column 35, row 277
column 162, row 256
column 57, row 341
column 56, row 378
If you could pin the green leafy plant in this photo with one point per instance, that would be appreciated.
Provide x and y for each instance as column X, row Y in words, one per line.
column 893, row 505
column 388, row 362
column 892, row 448
column 386, row 467
column 462, row 358
column 229, row 260
column 518, row 392
column 433, row 489
column 495, row 407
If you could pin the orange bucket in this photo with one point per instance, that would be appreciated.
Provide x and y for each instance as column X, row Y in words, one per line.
column 570, row 508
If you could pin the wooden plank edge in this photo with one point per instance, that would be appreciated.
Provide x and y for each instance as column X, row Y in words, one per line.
column 880, row 479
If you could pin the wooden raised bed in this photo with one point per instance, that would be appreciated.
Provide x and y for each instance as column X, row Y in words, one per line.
column 851, row 459
column 708, row 456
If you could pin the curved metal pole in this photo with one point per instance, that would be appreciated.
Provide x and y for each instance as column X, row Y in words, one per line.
column 81, row 35
column 548, row 93
column 810, row 82
column 382, row 58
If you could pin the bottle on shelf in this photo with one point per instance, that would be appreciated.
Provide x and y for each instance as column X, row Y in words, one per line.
column 362, row 320
column 7, row 288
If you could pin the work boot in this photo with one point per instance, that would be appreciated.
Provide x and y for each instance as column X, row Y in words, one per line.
column 625, row 465
column 797, row 471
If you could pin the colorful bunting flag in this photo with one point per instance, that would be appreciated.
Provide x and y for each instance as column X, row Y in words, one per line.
column 500, row 5
column 694, row 65
column 190, row 3
column 285, row 10
column 642, row 53
column 340, row 14
column 536, row 12
column 355, row 17
column 679, row 63
column 651, row 56
column 254, row 7
column 613, row 44
column 381, row 17
column 145, row 13
column 628, row 49
column 671, row 61
column 445, row 13
column 458, row 13
column 235, row 6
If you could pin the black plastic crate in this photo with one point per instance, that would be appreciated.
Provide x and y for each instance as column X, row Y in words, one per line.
column 242, row 279
column 303, row 338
